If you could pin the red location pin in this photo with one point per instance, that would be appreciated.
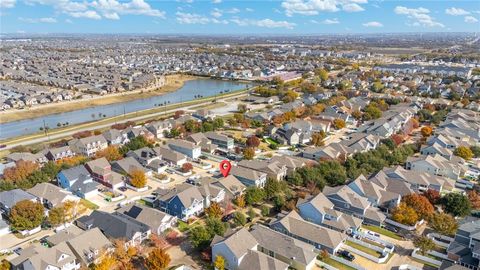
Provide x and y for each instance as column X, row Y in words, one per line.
column 225, row 167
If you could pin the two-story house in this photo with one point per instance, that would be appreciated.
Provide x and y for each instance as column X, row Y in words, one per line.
column 79, row 181
column 88, row 146
column 101, row 171
column 249, row 177
column 183, row 201
column 185, row 147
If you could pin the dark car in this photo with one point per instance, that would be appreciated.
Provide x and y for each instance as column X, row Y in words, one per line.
column 391, row 228
column 123, row 189
column 345, row 254
column 227, row 217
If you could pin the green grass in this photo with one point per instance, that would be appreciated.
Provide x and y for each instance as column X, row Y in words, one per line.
column 425, row 263
column 382, row 231
column 183, row 226
column 271, row 141
column 89, row 204
column 364, row 249
column 337, row 265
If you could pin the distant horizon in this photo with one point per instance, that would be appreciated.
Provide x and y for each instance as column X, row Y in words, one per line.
column 220, row 17
column 240, row 34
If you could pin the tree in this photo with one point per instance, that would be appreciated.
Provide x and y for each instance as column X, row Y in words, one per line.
column 443, row 223
column 253, row 141
column 123, row 255
column 426, row 131
column 57, row 216
column 5, row 265
column 111, row 153
column 157, row 259
column 20, row 172
column 474, row 199
column 138, row 178
column 248, row 153
column 397, row 139
column 240, row 201
column 318, row 137
column 371, row 111
column 186, row 167
column 420, row 204
column 321, row 73
column 324, row 255
column 108, row 262
column 199, row 236
column 242, row 108
column 475, row 150
column 254, row 195
column 404, row 214
column 215, row 226
column 290, row 96
column 26, row 215
column 214, row 210
column 463, row 152
column 265, row 210
column 251, row 213
column 424, row 243
column 432, row 195
column 457, row 204
column 339, row 123
column 239, row 219
column 219, row 263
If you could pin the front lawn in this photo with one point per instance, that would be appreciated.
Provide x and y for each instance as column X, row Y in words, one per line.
column 89, row 204
column 183, row 226
column 337, row 264
column 382, row 231
column 364, row 249
column 271, row 141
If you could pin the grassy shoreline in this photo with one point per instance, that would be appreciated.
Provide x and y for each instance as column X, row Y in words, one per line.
column 173, row 83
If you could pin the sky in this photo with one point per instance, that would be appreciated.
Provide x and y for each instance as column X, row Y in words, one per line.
column 238, row 17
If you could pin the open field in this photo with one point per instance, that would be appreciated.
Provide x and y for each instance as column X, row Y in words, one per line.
column 173, row 82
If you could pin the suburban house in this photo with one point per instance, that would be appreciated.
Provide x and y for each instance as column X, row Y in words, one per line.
column 464, row 249
column 50, row 195
column 38, row 158
column 292, row 163
column 79, row 181
column 159, row 127
column 273, row 169
column 436, row 149
column 171, row 157
column 115, row 137
column 185, row 147
column 249, row 177
column 201, row 140
column 232, row 186
column 322, row 238
column 89, row 245
column 436, row 165
column 377, row 195
column 58, row 153
column 101, row 171
column 9, row 198
column 126, row 165
column 88, row 146
column 331, row 151
column 346, row 200
column 149, row 158
column 116, row 226
column 220, row 140
column 319, row 210
column 203, row 114
column 233, row 248
column 183, row 201
column 211, row 193
column 59, row 257
column 158, row 221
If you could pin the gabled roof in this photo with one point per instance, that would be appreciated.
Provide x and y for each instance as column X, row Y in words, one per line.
column 257, row 260
column 186, row 193
column 11, row 197
column 87, row 242
column 147, row 215
column 48, row 191
column 348, row 195
column 246, row 173
column 239, row 242
column 283, row 245
column 296, row 225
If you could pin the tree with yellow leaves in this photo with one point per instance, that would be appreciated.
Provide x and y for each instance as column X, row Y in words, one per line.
column 138, row 178
column 157, row 259
column 111, row 153
column 219, row 263
column 214, row 210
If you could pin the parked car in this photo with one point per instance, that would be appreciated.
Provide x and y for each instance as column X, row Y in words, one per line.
column 373, row 234
column 391, row 228
column 123, row 189
column 227, row 217
column 345, row 254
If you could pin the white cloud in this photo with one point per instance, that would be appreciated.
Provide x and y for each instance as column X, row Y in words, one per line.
column 314, row 7
column 352, row 8
column 419, row 16
column 110, row 9
column 470, row 19
column 89, row 14
column 249, row 9
column 233, row 11
column 456, row 11
column 192, row 18
column 7, row 3
column 68, row 21
column 373, row 24
column 217, row 1
column 268, row 23
column 38, row 20
column 327, row 21
column 217, row 13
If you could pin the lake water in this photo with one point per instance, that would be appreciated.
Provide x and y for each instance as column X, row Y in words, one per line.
column 204, row 87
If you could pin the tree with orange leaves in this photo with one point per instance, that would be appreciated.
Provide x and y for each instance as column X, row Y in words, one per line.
column 20, row 172
column 111, row 153
column 420, row 204
column 474, row 198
